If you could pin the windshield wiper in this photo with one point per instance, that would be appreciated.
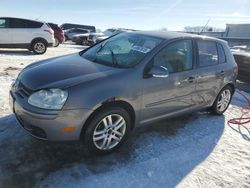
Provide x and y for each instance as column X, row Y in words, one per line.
column 114, row 61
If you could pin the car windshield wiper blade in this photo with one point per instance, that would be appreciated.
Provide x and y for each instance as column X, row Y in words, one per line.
column 114, row 61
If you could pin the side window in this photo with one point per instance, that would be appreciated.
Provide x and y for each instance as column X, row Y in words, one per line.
column 176, row 57
column 4, row 23
column 221, row 53
column 17, row 23
column 83, row 31
column 207, row 53
column 32, row 24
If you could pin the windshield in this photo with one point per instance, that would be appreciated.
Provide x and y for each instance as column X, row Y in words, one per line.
column 123, row 50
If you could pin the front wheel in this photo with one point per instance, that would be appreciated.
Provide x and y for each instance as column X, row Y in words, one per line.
column 107, row 130
column 222, row 101
column 39, row 47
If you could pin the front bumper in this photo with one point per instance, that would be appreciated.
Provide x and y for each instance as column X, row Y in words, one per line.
column 47, row 124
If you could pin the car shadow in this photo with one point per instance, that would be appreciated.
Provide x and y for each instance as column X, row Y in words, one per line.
column 159, row 154
column 16, row 52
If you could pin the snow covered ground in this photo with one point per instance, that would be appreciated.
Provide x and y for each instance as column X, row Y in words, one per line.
column 197, row 150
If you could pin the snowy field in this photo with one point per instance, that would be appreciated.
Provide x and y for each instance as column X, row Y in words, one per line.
column 197, row 150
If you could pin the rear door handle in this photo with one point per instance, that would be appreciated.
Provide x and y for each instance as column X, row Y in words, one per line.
column 189, row 79
column 222, row 73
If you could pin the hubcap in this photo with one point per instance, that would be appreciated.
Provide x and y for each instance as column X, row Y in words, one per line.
column 224, row 100
column 39, row 47
column 109, row 132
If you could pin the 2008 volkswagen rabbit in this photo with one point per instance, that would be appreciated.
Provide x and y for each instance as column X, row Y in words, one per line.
column 100, row 94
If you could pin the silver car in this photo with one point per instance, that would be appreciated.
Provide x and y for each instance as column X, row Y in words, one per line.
column 100, row 94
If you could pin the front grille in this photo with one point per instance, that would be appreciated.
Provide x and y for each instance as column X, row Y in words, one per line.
column 22, row 90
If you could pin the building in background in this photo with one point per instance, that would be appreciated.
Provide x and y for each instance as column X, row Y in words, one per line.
column 234, row 34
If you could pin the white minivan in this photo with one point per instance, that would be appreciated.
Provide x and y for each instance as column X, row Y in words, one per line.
column 22, row 33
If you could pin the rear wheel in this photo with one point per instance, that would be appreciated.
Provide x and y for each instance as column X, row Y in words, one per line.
column 222, row 101
column 56, row 42
column 39, row 47
column 107, row 130
column 85, row 43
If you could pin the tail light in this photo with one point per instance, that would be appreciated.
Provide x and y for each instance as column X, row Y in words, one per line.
column 236, row 70
column 49, row 31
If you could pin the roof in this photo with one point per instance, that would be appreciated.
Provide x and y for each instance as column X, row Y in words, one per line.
column 174, row 35
column 21, row 19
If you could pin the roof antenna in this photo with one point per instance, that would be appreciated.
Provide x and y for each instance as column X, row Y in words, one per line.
column 204, row 26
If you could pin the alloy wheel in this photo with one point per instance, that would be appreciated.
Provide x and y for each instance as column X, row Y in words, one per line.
column 39, row 47
column 224, row 100
column 109, row 132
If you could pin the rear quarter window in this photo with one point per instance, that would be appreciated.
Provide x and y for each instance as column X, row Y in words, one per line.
column 207, row 52
column 221, row 53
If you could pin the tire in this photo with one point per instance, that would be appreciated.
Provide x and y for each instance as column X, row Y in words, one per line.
column 101, row 139
column 85, row 43
column 57, row 42
column 39, row 47
column 79, row 42
column 222, row 101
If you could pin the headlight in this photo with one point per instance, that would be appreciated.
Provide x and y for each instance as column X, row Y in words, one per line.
column 49, row 99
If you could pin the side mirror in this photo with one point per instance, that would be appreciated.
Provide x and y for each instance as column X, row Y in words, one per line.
column 159, row 72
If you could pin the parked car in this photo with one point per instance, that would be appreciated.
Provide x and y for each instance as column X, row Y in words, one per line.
column 70, row 33
column 100, row 94
column 81, row 39
column 242, row 58
column 22, row 33
column 93, row 38
column 97, row 37
column 58, row 34
column 66, row 26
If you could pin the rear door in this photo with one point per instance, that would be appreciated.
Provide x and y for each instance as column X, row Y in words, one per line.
column 162, row 96
column 24, row 30
column 5, row 32
column 210, row 72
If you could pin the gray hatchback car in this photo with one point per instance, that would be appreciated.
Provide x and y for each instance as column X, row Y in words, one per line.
column 100, row 94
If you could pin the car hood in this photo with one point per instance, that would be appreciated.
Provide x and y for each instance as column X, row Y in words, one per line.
column 63, row 72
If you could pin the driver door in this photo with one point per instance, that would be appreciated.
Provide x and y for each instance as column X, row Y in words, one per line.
column 165, row 95
column 5, row 31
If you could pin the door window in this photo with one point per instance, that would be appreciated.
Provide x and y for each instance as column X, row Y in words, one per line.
column 32, row 24
column 17, row 23
column 207, row 53
column 176, row 57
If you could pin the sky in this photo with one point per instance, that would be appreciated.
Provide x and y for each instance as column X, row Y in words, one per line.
column 135, row 14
